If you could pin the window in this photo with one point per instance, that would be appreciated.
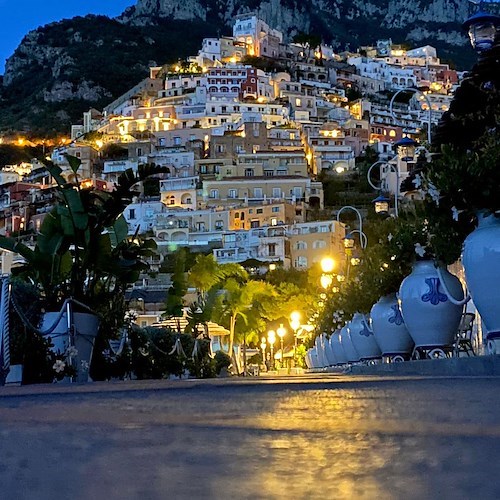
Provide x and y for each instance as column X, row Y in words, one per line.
column 257, row 193
column 214, row 193
column 131, row 213
column 276, row 192
column 319, row 244
column 237, row 215
column 177, row 141
column 260, row 211
column 232, row 193
column 271, row 249
column 298, row 102
column 203, row 169
column 249, row 172
column 219, row 225
column 274, row 221
column 301, row 261
column 255, row 223
column 139, row 151
column 300, row 245
column 268, row 173
column 275, row 209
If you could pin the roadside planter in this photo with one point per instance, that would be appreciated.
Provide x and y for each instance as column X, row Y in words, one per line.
column 363, row 339
column 349, row 349
column 430, row 316
column 330, row 354
column 85, row 328
column 337, row 348
column 481, row 261
column 389, row 329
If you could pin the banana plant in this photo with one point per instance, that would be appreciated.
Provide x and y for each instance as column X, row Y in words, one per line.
column 83, row 249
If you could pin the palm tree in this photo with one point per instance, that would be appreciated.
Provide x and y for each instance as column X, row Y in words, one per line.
column 239, row 300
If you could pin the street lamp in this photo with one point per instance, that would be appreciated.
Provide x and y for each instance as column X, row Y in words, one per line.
column 263, row 345
column 349, row 239
column 482, row 28
column 327, row 264
column 295, row 324
column 381, row 204
column 281, row 331
column 424, row 96
column 271, row 338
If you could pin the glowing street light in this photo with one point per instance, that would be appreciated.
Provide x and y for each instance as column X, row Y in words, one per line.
column 281, row 331
column 263, row 345
column 482, row 28
column 295, row 324
column 327, row 265
column 271, row 338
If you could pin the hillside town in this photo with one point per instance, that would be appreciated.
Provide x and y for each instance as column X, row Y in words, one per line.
column 246, row 149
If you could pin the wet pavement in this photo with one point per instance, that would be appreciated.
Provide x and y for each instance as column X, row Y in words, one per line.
column 315, row 437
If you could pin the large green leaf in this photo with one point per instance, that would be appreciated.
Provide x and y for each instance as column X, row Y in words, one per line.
column 119, row 231
column 74, row 162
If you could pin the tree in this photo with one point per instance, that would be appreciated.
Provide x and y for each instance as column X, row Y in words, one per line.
column 175, row 298
column 240, row 300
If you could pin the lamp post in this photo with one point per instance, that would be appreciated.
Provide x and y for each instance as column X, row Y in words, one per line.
column 271, row 338
column 263, row 345
column 381, row 204
column 281, row 331
column 295, row 325
column 356, row 211
column 428, row 102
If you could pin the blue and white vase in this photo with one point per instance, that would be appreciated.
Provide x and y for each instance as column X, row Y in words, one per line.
column 363, row 339
column 430, row 317
column 330, row 354
column 389, row 328
column 349, row 349
column 337, row 348
column 481, row 261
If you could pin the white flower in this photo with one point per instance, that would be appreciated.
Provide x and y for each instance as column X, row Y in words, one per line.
column 59, row 366
column 389, row 237
column 71, row 351
column 417, row 182
column 455, row 213
column 419, row 250
column 84, row 364
column 434, row 193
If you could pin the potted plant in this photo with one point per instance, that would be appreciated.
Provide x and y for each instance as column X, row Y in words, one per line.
column 462, row 183
column 83, row 256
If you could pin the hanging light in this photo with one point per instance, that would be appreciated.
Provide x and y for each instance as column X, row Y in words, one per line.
column 381, row 204
column 349, row 241
column 482, row 28
column 406, row 148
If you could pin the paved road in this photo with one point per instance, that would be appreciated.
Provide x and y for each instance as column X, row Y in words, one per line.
column 329, row 437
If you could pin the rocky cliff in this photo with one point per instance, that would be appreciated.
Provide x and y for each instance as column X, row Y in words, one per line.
column 61, row 69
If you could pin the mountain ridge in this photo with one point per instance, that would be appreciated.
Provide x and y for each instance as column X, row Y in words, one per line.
column 61, row 69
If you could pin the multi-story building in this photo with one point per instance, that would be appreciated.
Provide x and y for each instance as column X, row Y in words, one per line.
column 272, row 214
column 232, row 82
column 259, row 38
column 179, row 192
column 310, row 242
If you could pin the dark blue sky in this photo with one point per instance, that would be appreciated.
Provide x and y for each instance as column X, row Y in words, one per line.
column 17, row 17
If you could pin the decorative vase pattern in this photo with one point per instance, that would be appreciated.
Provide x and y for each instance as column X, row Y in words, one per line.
column 389, row 328
column 338, row 350
column 349, row 349
column 362, row 338
column 481, row 260
column 431, row 319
